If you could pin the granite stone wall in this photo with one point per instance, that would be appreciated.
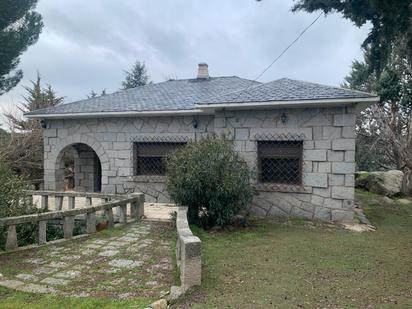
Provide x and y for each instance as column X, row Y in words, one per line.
column 328, row 139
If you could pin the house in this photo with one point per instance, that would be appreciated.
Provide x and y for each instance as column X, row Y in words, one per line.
column 298, row 136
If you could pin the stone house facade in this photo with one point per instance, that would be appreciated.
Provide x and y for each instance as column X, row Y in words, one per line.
column 298, row 137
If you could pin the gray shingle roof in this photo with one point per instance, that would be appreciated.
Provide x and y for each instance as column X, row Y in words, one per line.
column 170, row 95
column 189, row 94
column 285, row 89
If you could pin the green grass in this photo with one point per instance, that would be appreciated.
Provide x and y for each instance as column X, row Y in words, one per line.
column 300, row 264
column 16, row 300
column 294, row 264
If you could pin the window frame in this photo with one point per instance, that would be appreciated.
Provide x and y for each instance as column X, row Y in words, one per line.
column 151, row 153
column 277, row 154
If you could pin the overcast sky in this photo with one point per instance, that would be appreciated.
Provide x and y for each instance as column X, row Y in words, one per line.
column 86, row 45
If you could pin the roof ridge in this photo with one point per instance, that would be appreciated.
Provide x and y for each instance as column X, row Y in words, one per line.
column 127, row 90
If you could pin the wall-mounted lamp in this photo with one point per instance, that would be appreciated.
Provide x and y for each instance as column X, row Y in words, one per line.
column 194, row 123
column 284, row 118
column 43, row 124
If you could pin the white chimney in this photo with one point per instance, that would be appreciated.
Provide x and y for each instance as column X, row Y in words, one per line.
column 203, row 71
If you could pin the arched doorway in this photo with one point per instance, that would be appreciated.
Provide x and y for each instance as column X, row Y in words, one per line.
column 79, row 169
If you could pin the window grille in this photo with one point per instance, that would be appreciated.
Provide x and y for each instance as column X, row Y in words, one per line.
column 150, row 157
column 280, row 162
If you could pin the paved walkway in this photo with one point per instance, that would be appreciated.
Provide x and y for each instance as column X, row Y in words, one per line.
column 123, row 262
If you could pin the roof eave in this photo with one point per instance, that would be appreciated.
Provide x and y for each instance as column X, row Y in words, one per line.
column 117, row 114
column 208, row 109
column 291, row 104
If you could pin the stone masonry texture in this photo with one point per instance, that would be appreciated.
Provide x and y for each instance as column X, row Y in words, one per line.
column 327, row 192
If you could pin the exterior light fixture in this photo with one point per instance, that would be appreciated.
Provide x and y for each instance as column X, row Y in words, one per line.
column 194, row 123
column 284, row 118
column 43, row 124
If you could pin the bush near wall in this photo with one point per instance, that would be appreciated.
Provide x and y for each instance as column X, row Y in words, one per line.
column 211, row 179
column 12, row 203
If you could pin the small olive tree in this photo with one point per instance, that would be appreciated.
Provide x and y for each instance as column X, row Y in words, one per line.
column 211, row 179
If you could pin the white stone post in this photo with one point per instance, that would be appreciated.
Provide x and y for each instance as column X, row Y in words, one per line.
column 58, row 203
column 11, row 241
column 91, row 223
column 68, row 225
column 72, row 202
column 45, row 202
column 42, row 239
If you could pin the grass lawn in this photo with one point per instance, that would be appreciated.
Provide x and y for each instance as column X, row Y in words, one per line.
column 17, row 300
column 303, row 265
column 295, row 264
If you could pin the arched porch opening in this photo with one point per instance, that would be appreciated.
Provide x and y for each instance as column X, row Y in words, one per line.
column 78, row 168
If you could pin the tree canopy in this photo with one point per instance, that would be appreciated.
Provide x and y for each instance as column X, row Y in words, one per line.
column 94, row 94
column 136, row 77
column 23, row 150
column 390, row 19
column 20, row 27
column 38, row 97
column 384, row 131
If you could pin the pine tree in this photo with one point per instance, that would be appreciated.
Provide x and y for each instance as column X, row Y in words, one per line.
column 384, row 138
column 136, row 77
column 92, row 94
column 20, row 27
column 38, row 98
column 391, row 20
column 24, row 150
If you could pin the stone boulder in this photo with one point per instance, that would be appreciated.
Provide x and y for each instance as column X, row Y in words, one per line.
column 385, row 183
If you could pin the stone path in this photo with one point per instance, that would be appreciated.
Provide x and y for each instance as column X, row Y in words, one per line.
column 123, row 263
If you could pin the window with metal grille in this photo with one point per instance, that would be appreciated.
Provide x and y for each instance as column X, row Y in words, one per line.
column 150, row 157
column 280, row 162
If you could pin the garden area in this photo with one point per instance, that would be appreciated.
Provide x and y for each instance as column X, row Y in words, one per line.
column 291, row 263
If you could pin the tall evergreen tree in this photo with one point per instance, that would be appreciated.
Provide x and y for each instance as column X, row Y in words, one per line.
column 24, row 150
column 20, row 27
column 93, row 94
column 136, row 77
column 385, row 131
column 390, row 20
column 38, row 97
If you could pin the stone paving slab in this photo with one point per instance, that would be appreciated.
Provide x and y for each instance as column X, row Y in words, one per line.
column 36, row 288
column 127, row 262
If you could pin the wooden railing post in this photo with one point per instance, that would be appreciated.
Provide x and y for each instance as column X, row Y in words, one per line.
column 72, row 202
column 42, row 232
column 91, row 222
column 45, row 202
column 11, row 241
column 109, row 214
column 58, row 203
column 68, row 226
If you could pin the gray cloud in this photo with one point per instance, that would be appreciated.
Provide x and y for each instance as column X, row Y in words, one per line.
column 86, row 45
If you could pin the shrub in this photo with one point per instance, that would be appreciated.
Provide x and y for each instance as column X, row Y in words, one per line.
column 11, row 193
column 210, row 178
column 12, row 203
